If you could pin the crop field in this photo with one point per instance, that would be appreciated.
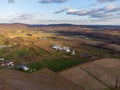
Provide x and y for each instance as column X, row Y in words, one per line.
column 83, row 79
column 105, row 70
column 96, row 75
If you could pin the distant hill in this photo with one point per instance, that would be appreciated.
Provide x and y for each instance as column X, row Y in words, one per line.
column 42, row 25
column 104, row 26
column 59, row 25
column 87, row 26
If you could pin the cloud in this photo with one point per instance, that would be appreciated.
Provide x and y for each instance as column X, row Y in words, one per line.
column 105, row 1
column 77, row 12
column 110, row 7
column 43, row 1
column 11, row 1
column 71, row 11
column 62, row 10
column 23, row 17
column 52, row 1
column 108, row 11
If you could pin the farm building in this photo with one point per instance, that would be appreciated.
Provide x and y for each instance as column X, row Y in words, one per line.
column 63, row 48
column 73, row 52
column 7, row 63
column 22, row 67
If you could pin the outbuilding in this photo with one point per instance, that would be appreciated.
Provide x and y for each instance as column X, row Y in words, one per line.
column 23, row 67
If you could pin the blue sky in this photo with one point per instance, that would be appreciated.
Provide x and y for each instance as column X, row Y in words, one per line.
column 103, row 12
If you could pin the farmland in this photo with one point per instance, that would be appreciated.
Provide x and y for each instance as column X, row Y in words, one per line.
column 27, row 49
column 96, row 75
column 32, row 47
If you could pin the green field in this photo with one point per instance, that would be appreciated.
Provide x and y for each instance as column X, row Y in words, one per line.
column 55, row 65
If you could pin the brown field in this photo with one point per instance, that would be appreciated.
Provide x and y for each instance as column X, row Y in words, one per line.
column 96, row 75
column 41, row 80
column 110, row 46
column 83, row 79
column 113, row 47
column 106, row 70
column 44, row 44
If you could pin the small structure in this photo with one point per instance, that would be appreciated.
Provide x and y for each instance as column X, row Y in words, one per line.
column 2, row 59
column 10, row 63
column 42, row 38
column 15, row 44
column 84, row 37
column 6, row 63
column 23, row 67
column 2, row 64
column 73, row 52
column 32, row 70
column 67, row 49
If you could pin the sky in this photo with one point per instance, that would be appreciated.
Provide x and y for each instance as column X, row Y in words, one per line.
column 83, row 12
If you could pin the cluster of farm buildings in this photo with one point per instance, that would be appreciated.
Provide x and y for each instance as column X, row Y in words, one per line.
column 63, row 48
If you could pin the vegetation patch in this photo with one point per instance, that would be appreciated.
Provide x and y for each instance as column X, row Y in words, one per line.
column 24, row 52
column 39, row 51
column 55, row 65
column 36, row 65
column 61, row 64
